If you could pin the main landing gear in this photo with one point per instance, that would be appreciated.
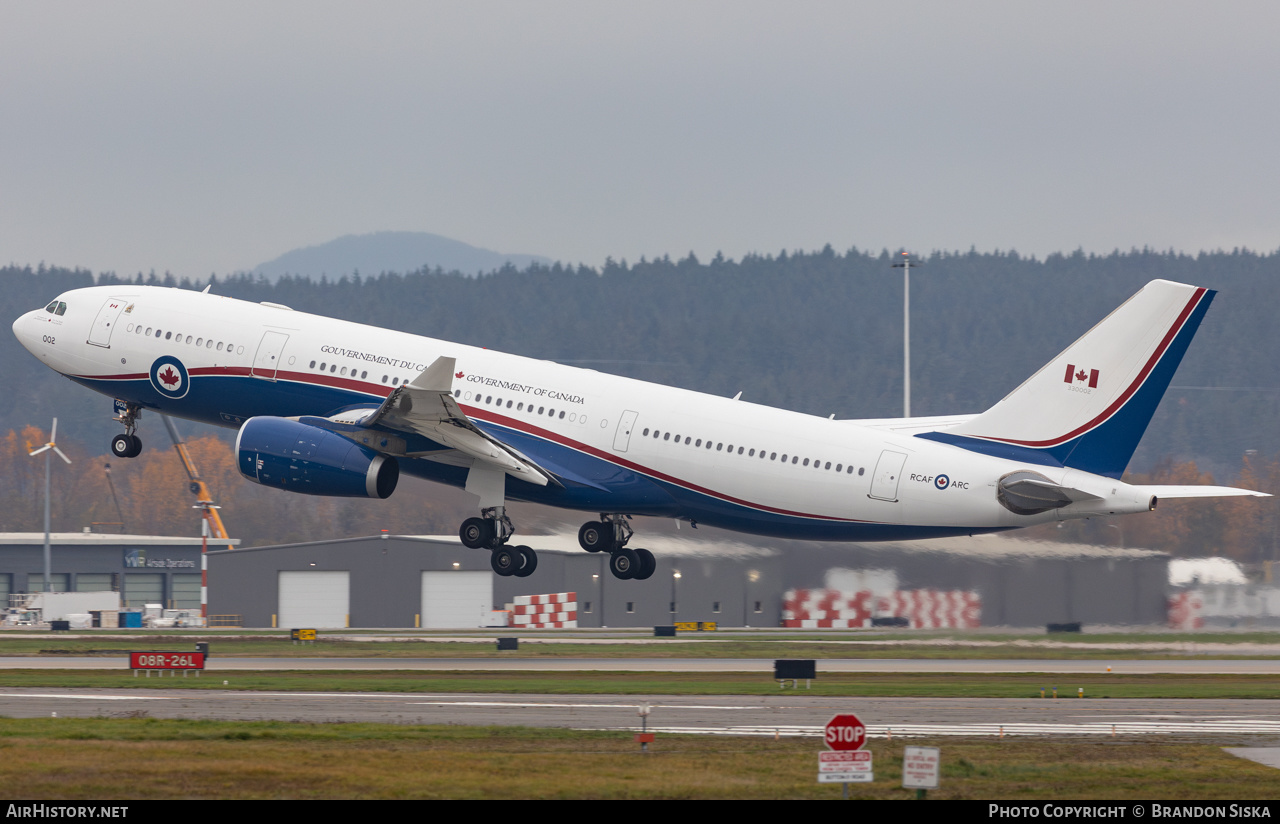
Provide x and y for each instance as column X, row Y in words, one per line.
column 127, row 445
column 492, row 531
column 611, row 534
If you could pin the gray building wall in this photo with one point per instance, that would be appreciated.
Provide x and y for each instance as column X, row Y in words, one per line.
column 386, row 573
column 93, row 561
column 1022, row 584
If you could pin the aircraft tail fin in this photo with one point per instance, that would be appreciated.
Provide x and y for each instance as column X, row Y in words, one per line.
column 1088, row 407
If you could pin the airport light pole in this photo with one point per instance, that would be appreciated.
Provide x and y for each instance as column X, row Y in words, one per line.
column 905, row 265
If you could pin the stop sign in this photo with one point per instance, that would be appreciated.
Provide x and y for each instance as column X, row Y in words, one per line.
column 845, row 732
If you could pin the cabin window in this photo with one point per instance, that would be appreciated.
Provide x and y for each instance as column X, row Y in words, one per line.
column 384, row 378
column 520, row 406
column 806, row 461
column 199, row 341
column 509, row 404
column 219, row 346
column 656, row 434
column 730, row 449
column 699, row 442
column 395, row 381
column 157, row 333
column 708, row 444
column 540, row 408
column 751, row 454
column 719, row 446
column 687, row 439
column 333, row 368
column 740, row 450
column 795, row 458
column 861, row 469
column 364, row 375
column 188, row 340
column 344, row 370
column 828, row 466
column 561, row 414
column 667, row 437
column 312, row 366
column 784, row 457
column 773, row 456
column 646, row 432
column 208, row 344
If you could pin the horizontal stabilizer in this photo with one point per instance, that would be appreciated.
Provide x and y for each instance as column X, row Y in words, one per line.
column 1029, row 493
column 1167, row 492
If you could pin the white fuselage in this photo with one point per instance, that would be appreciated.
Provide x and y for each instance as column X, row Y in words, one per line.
column 626, row 446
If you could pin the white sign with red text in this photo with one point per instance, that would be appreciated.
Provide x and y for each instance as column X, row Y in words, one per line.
column 845, row 767
column 920, row 767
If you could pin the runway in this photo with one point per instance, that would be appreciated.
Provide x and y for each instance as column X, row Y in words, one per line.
column 789, row 714
column 1183, row 666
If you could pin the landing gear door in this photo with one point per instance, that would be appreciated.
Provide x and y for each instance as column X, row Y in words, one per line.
column 622, row 439
column 884, row 483
column 100, row 333
column 267, row 360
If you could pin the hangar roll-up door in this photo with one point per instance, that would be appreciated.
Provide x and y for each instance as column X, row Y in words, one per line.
column 313, row 599
column 456, row 600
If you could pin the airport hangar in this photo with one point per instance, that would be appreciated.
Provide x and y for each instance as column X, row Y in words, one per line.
column 144, row 569
column 397, row 581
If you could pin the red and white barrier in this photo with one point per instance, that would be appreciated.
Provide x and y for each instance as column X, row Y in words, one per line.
column 1186, row 610
column 923, row 608
column 558, row 610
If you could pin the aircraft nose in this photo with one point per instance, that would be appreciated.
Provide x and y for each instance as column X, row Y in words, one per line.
column 24, row 333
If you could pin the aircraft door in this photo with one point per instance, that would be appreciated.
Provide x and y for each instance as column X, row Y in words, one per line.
column 884, row 482
column 622, row 439
column 267, row 360
column 100, row 334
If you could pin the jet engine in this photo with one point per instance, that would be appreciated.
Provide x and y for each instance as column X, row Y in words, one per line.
column 299, row 457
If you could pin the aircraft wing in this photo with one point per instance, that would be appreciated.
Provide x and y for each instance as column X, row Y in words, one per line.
column 426, row 406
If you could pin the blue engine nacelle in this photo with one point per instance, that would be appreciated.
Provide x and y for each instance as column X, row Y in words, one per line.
column 303, row 458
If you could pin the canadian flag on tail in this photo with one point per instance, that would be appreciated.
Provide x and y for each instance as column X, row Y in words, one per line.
column 1075, row 375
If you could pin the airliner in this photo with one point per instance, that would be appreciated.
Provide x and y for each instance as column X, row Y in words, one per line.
column 329, row 407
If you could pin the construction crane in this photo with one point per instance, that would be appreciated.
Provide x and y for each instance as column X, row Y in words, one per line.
column 204, row 500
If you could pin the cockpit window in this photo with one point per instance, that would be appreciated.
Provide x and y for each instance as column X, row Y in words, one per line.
column 57, row 307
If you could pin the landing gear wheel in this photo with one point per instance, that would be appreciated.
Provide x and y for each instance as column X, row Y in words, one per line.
column 476, row 533
column 505, row 561
column 528, row 562
column 624, row 564
column 121, row 445
column 647, row 564
column 596, row 536
column 126, row 446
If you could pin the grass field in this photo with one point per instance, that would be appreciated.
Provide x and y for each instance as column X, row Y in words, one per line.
column 103, row 759
column 638, row 644
column 938, row 685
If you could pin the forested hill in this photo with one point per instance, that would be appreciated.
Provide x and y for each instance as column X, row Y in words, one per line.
column 816, row 332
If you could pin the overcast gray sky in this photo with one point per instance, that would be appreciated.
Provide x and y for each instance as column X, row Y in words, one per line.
column 210, row 137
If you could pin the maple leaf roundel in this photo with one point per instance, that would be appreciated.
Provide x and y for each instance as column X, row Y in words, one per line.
column 169, row 377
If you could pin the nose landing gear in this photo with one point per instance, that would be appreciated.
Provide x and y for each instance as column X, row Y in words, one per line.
column 127, row 445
